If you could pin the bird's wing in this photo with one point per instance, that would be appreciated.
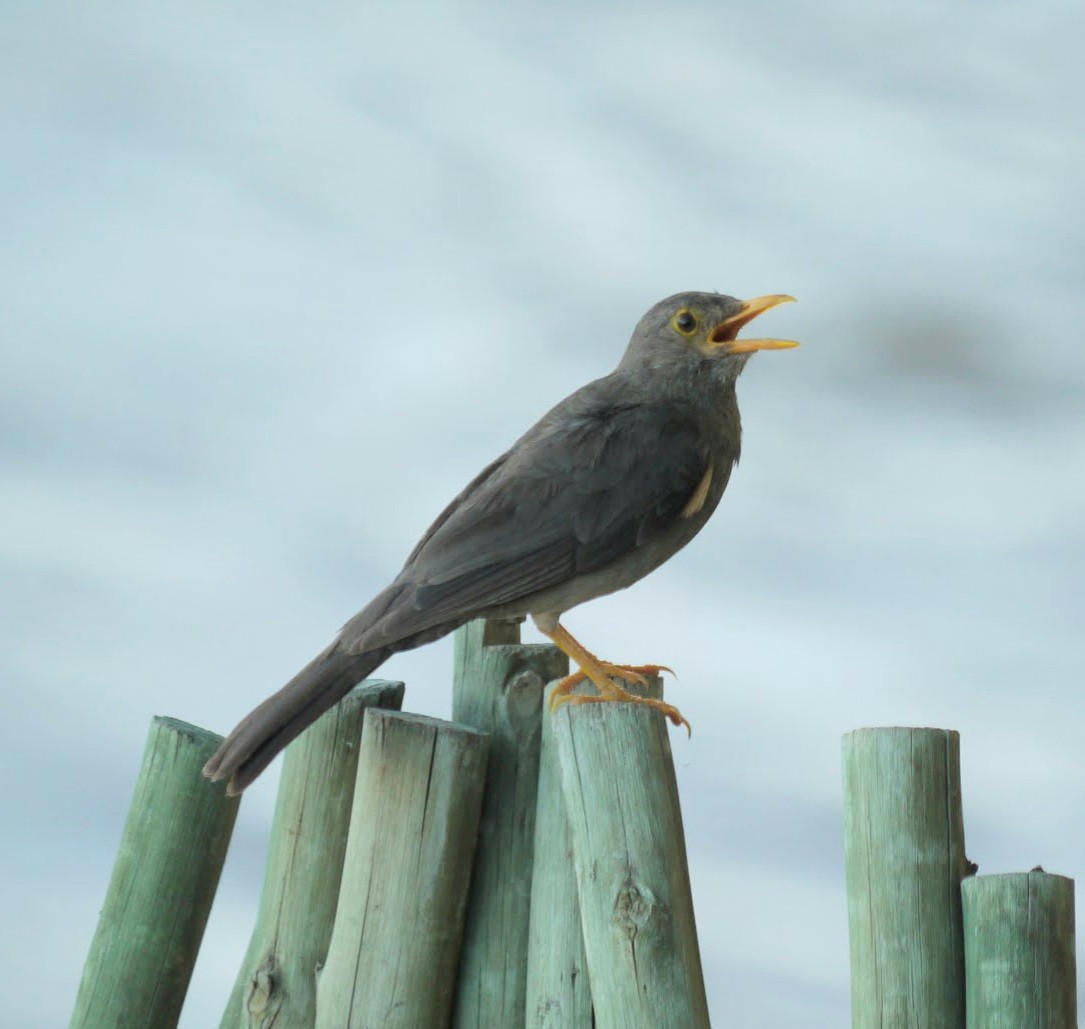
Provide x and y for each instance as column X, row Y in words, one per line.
column 455, row 503
column 591, row 483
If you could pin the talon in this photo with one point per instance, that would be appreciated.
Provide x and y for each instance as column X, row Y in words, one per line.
column 629, row 673
column 634, row 673
column 602, row 675
column 557, row 699
column 668, row 710
column 564, row 688
column 626, row 674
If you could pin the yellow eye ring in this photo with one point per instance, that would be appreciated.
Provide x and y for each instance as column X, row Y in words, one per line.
column 685, row 321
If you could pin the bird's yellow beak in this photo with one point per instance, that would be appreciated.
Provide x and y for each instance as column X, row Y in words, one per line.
column 722, row 337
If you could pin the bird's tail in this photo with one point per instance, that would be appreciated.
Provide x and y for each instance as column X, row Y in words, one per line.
column 261, row 734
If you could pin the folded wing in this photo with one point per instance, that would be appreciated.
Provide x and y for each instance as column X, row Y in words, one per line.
column 591, row 483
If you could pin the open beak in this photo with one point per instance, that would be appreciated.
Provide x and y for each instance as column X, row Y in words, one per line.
column 723, row 335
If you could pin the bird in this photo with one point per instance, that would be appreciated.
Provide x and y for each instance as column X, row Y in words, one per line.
column 605, row 487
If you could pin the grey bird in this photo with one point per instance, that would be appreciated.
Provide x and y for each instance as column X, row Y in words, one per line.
column 603, row 489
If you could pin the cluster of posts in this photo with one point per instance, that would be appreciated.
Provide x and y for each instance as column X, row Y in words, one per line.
column 508, row 869
column 933, row 943
column 504, row 869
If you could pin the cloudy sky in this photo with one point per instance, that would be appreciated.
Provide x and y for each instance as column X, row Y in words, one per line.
column 274, row 283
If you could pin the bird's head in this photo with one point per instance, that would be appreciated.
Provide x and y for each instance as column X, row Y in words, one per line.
column 695, row 328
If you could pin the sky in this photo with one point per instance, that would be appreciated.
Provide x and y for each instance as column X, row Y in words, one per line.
column 276, row 282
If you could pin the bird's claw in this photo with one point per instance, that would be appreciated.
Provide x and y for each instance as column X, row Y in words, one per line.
column 668, row 710
column 630, row 673
column 610, row 692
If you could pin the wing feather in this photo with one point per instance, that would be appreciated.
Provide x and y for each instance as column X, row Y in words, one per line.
column 589, row 484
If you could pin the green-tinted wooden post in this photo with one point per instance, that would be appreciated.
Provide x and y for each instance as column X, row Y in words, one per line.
column 277, row 982
column 164, row 879
column 498, row 687
column 629, row 851
column 558, row 992
column 904, row 862
column 413, row 830
column 1019, row 951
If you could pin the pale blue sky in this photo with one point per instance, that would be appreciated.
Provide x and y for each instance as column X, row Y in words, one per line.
column 275, row 283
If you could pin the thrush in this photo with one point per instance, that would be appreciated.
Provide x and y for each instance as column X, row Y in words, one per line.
column 603, row 489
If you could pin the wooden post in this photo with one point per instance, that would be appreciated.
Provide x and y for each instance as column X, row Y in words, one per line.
column 164, row 879
column 558, row 993
column 625, row 822
column 393, row 952
column 277, row 982
column 498, row 688
column 1019, row 950
column 904, row 862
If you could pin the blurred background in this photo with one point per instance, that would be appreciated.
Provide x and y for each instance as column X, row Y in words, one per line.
column 276, row 282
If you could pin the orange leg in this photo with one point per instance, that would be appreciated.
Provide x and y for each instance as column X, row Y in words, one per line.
column 600, row 672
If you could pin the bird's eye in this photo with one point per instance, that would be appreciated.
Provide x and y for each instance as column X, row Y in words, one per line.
column 685, row 322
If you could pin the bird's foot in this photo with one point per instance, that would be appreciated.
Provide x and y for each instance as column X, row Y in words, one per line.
column 630, row 673
column 618, row 695
column 602, row 675
column 613, row 693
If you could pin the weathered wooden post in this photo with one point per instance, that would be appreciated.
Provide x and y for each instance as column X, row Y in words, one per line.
column 164, row 879
column 393, row 952
column 558, row 991
column 625, row 822
column 498, row 688
column 276, row 985
column 904, row 862
column 1019, row 951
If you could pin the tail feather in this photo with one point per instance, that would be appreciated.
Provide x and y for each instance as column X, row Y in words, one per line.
column 260, row 735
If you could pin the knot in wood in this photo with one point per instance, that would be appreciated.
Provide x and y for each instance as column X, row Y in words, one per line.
column 523, row 695
column 633, row 907
column 264, row 997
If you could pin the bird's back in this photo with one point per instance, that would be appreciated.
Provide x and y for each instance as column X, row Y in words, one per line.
column 601, row 490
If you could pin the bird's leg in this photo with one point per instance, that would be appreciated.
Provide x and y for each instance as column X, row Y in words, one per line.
column 599, row 672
